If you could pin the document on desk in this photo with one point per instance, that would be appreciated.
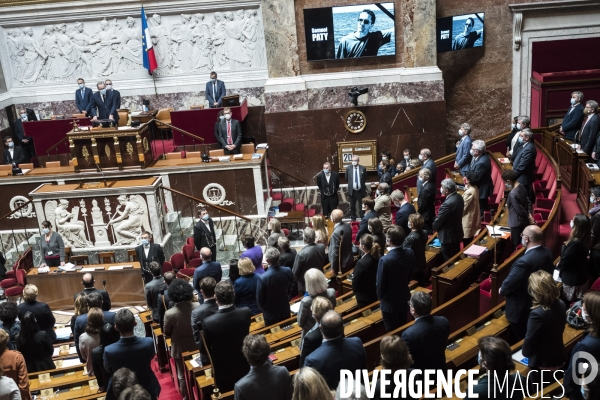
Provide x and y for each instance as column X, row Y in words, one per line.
column 116, row 267
column 518, row 357
column 294, row 308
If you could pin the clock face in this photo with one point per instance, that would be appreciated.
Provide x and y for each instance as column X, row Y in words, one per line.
column 355, row 121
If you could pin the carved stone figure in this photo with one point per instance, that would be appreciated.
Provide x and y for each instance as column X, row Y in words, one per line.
column 33, row 57
column 15, row 52
column 254, row 43
column 69, row 56
column 84, row 49
column 132, row 221
column 183, row 35
column 160, row 42
column 67, row 223
column 131, row 53
column 202, row 44
column 218, row 42
column 104, row 55
column 238, row 59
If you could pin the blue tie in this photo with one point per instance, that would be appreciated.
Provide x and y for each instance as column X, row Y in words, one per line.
column 356, row 178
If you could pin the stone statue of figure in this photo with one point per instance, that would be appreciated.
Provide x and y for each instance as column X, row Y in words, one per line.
column 132, row 221
column 33, row 57
column 51, row 70
column 131, row 53
column 183, row 35
column 160, row 42
column 103, row 56
column 67, row 224
column 83, row 46
column 238, row 58
column 218, row 42
column 69, row 55
column 254, row 42
column 16, row 53
column 202, row 47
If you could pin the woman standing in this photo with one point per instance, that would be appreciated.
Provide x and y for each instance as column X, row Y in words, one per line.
column 471, row 221
column 518, row 206
column 254, row 253
column 9, row 322
column 41, row 311
column 543, row 343
column 90, row 339
column 276, row 233
column 365, row 272
column 375, row 228
column 417, row 242
column 316, row 285
column 81, row 307
column 35, row 345
column 321, row 234
column 383, row 205
column 13, row 365
column 52, row 246
column 245, row 286
column 310, row 385
column 573, row 263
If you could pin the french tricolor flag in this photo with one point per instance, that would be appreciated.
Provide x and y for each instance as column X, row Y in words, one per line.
column 148, row 54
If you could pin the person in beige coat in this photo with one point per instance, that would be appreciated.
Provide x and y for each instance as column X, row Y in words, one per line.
column 470, row 220
column 383, row 206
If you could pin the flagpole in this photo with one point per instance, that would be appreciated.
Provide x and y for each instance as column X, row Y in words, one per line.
column 153, row 78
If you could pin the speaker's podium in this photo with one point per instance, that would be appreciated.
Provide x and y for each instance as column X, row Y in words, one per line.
column 110, row 147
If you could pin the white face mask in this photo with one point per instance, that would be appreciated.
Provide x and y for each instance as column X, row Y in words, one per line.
column 571, row 224
column 355, row 163
column 383, row 158
column 227, row 117
column 442, row 191
column 407, row 158
column 592, row 199
column 409, row 225
column 523, row 242
column 519, row 126
column 585, row 316
column 573, row 101
column 472, row 153
column 513, row 126
column 420, row 157
column 420, row 178
column 460, row 132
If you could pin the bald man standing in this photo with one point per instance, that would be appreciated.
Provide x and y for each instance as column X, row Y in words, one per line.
column 208, row 268
column 88, row 281
column 340, row 244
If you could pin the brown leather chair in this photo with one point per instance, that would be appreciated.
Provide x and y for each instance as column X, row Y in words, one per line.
column 247, row 148
column 80, row 260
column 164, row 115
column 197, row 107
column 68, row 254
column 52, row 164
column 132, row 255
column 76, row 116
column 174, row 156
column 192, row 154
column 216, row 153
column 123, row 116
column 106, row 257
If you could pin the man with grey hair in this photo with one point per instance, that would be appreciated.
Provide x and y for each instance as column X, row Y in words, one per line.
column 481, row 168
column 589, row 132
column 274, row 288
column 287, row 255
column 572, row 120
column 523, row 122
column 425, row 157
column 356, row 176
column 463, row 149
column 448, row 223
column 524, row 163
column 405, row 209
column 311, row 256
column 426, row 200
column 328, row 183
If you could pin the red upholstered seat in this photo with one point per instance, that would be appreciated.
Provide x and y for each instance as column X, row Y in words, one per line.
column 17, row 290
column 188, row 252
column 310, row 212
column 166, row 267
column 8, row 282
column 190, row 240
column 194, row 262
column 187, row 271
column 299, row 207
column 485, row 296
column 177, row 261
column 285, row 207
column 285, row 231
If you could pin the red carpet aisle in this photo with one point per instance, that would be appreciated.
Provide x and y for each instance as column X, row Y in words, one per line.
column 168, row 390
column 568, row 210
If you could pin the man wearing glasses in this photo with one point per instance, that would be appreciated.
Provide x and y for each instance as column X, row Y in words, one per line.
column 363, row 42
column 468, row 37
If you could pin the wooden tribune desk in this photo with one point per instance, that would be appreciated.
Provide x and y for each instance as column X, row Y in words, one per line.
column 111, row 148
column 125, row 286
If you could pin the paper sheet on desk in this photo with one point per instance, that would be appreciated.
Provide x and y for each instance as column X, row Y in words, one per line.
column 518, row 357
column 499, row 230
column 63, row 333
column 71, row 362
column 294, row 308
column 56, row 352
column 556, row 275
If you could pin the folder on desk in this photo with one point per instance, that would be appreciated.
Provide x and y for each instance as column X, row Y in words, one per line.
column 504, row 160
column 475, row 251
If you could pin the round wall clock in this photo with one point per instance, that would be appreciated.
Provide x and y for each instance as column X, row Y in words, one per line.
column 355, row 121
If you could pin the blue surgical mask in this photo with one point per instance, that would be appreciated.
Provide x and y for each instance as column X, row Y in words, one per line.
column 479, row 359
column 508, row 186
column 103, row 91
column 24, row 116
column 213, row 80
column 407, row 158
column 420, row 157
column 592, row 199
column 513, row 126
column 81, row 86
column 471, row 153
column 46, row 231
column 205, row 217
column 145, row 242
column 519, row 126
column 520, row 139
column 573, row 101
column 326, row 171
column 222, row 117
column 420, row 178
column 227, row 116
column 108, row 87
column 383, row 158
column 11, row 144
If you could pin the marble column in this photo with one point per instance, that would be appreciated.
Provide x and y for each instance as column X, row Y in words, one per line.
column 280, row 38
column 418, row 18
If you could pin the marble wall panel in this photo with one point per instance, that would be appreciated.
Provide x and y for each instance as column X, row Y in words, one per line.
column 296, row 100
column 3, row 119
column 280, row 38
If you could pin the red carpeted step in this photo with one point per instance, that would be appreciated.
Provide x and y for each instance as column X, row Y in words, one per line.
column 168, row 391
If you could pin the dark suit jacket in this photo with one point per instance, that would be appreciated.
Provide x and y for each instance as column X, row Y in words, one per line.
column 265, row 382
column 287, row 258
column 103, row 109
column 236, row 134
column 573, row 263
column 334, row 355
column 117, row 96
column 590, row 345
column 152, row 290
column 37, row 351
column 272, row 293
column 364, row 224
column 224, row 333
column 84, row 103
column 426, row 340
column 524, row 164
column 208, row 268
column 430, row 165
column 164, row 303
column 572, row 121
column 310, row 342
column 402, row 216
column 19, row 134
column 364, row 282
column 219, row 94
column 589, row 134
column 344, row 261
column 178, row 321
column 362, row 178
column 331, row 187
column 394, row 271
column 155, row 254
column 426, row 202
column 203, row 237
column 136, row 354
column 514, row 287
column 106, row 303
column 518, row 204
column 463, row 154
column 81, row 323
column 2, row 267
column 43, row 316
column 208, row 308
column 482, row 170
column 544, row 339
column 448, row 223
column 311, row 256
column 18, row 156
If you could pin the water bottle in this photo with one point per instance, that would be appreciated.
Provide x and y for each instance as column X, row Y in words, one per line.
column 276, row 210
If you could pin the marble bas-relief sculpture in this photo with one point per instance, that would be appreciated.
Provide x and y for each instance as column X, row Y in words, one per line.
column 187, row 43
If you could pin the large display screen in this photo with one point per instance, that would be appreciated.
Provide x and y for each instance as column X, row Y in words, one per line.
column 365, row 30
column 460, row 32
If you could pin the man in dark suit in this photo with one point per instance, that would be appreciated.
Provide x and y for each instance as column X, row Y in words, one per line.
column 287, row 255
column 131, row 352
column 93, row 299
column 428, row 336
column 26, row 142
column 336, row 352
column 356, row 176
column 573, row 118
column 523, row 122
column 448, row 223
column 88, row 282
column 229, row 133
column 514, row 287
column 481, row 167
column 328, row 183
column 368, row 205
column 426, row 200
column 224, row 334
column 204, row 233
column 41, row 311
column 394, row 271
column 274, row 288
column 340, row 244
column 13, row 154
column 265, row 381
column 164, row 302
column 103, row 104
column 405, row 209
column 148, row 252
column 83, row 98
column 313, row 339
column 215, row 91
column 207, row 268
column 524, row 163
column 116, row 93
column 590, row 132
column 208, row 308
column 463, row 149
column 312, row 255
column 425, row 157
column 153, row 289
